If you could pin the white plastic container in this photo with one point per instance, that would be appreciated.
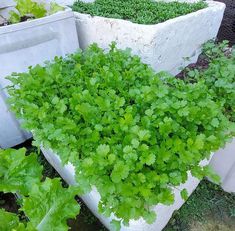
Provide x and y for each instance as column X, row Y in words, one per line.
column 91, row 199
column 165, row 45
column 223, row 162
column 25, row 44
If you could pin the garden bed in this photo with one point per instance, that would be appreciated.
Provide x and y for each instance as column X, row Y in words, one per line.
column 25, row 44
column 164, row 212
column 166, row 46
column 109, row 119
column 223, row 161
column 208, row 208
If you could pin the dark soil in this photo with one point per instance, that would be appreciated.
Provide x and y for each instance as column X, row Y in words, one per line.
column 8, row 202
column 85, row 221
column 201, row 64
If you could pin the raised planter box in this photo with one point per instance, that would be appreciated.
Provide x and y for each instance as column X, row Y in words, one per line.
column 223, row 162
column 165, row 45
column 91, row 199
column 25, row 44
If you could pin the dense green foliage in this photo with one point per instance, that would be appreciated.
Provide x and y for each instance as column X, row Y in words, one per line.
column 18, row 172
column 10, row 222
column 138, row 11
column 129, row 132
column 47, row 204
column 31, row 9
column 220, row 75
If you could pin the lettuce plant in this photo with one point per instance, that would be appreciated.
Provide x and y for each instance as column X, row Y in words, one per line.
column 47, row 205
column 131, row 133
column 30, row 9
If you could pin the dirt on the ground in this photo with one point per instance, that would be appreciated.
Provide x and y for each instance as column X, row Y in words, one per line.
column 211, row 224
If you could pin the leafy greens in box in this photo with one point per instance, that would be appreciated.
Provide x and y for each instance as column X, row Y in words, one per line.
column 138, row 11
column 30, row 9
column 131, row 133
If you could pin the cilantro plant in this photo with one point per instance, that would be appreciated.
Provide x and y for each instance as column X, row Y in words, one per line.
column 138, row 11
column 220, row 75
column 29, row 9
column 46, row 204
column 131, row 133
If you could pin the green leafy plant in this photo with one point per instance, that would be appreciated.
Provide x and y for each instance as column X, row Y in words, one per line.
column 138, row 11
column 46, row 204
column 29, row 9
column 18, row 172
column 10, row 221
column 220, row 75
column 129, row 132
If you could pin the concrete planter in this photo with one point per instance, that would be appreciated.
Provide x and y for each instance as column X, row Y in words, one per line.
column 165, row 45
column 223, row 162
column 91, row 199
column 25, row 44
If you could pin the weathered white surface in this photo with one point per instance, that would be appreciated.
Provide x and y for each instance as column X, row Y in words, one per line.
column 223, row 162
column 70, row 2
column 165, row 45
column 7, row 3
column 91, row 199
column 6, row 6
column 25, row 44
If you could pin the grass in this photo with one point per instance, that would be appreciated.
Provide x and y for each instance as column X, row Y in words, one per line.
column 138, row 11
column 208, row 208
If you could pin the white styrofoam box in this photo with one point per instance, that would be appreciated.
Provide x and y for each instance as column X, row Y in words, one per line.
column 27, row 44
column 70, row 2
column 6, row 6
column 7, row 3
column 223, row 162
column 165, row 45
column 6, row 12
column 91, row 199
